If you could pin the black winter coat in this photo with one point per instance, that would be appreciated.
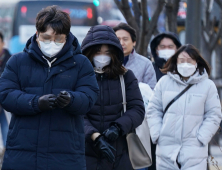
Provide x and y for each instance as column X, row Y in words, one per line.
column 50, row 140
column 107, row 110
column 108, row 107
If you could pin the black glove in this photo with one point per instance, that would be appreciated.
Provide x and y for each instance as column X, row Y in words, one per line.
column 47, row 102
column 112, row 133
column 104, row 148
column 63, row 99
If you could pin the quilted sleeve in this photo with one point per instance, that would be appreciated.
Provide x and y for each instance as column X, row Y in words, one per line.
column 212, row 116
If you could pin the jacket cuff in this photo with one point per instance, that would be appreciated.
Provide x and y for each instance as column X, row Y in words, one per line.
column 88, row 136
column 155, row 141
column 117, row 126
column 35, row 104
column 71, row 101
column 154, row 138
column 202, row 140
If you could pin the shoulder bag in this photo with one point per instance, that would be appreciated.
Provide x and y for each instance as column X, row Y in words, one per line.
column 139, row 148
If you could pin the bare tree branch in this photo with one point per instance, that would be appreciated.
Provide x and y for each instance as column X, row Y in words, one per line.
column 119, row 5
column 145, row 25
column 156, row 31
column 211, row 37
column 145, row 28
column 151, row 26
column 216, row 36
column 172, row 7
column 136, row 10
column 207, row 22
column 123, row 5
column 219, row 2
column 130, row 19
column 155, row 18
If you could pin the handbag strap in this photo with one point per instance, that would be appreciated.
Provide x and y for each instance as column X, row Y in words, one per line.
column 177, row 97
column 122, row 82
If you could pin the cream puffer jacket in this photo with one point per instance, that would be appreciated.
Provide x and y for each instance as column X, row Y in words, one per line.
column 190, row 122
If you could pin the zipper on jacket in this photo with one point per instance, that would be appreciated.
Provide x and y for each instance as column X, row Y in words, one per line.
column 183, row 117
column 102, row 107
column 49, row 63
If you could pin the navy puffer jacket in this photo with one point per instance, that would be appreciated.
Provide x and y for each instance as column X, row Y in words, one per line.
column 108, row 107
column 51, row 140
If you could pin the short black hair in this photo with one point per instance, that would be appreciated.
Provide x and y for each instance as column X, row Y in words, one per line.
column 1, row 36
column 126, row 27
column 52, row 17
column 160, row 38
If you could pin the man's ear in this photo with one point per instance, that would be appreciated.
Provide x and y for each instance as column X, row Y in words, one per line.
column 134, row 44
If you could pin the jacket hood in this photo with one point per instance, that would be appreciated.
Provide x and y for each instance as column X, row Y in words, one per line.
column 102, row 34
column 194, row 79
column 7, row 52
column 153, row 45
column 70, row 48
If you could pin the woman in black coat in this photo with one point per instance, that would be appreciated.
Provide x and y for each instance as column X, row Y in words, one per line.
column 105, row 128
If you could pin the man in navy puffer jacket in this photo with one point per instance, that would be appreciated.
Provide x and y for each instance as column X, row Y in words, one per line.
column 48, row 88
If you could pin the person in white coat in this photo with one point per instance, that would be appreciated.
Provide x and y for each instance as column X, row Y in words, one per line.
column 182, row 134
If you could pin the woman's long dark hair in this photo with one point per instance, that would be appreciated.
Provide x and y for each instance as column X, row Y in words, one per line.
column 171, row 65
column 115, row 68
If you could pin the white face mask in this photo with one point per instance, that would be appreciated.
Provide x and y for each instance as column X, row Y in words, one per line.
column 166, row 54
column 51, row 49
column 101, row 61
column 186, row 69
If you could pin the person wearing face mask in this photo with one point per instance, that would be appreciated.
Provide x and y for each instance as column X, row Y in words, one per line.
column 140, row 65
column 163, row 46
column 48, row 88
column 184, row 113
column 105, row 126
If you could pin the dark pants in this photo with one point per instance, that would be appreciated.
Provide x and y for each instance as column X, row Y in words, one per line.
column 153, row 151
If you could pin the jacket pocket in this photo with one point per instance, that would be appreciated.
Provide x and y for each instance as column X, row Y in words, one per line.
column 25, row 139
column 196, row 104
column 74, row 132
column 13, row 127
column 197, row 137
column 12, row 122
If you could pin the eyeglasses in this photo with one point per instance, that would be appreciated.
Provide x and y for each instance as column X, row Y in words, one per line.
column 49, row 41
column 186, row 60
column 57, row 42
